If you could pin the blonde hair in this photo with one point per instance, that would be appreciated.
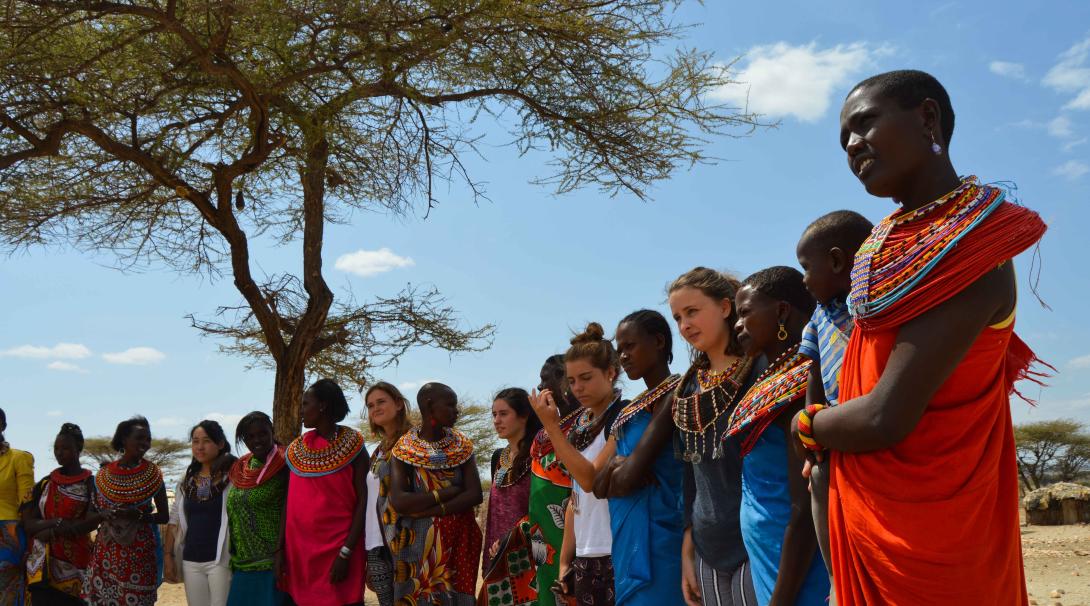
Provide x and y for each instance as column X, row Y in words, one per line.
column 715, row 285
column 403, row 423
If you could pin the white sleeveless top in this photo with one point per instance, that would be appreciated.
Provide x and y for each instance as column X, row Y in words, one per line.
column 593, row 537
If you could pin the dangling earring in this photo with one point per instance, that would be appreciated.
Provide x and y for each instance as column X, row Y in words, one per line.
column 935, row 147
column 782, row 334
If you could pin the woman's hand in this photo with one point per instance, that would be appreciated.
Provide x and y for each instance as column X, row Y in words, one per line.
column 170, row 569
column 545, row 407
column 690, row 584
column 339, row 571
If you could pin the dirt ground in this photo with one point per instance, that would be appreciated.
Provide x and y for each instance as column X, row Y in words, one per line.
column 1057, row 564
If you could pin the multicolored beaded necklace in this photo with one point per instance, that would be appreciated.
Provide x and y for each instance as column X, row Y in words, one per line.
column 585, row 428
column 783, row 382
column 450, row 451
column 248, row 472
column 882, row 273
column 57, row 477
column 129, row 486
column 697, row 416
column 646, row 400
column 309, row 462
column 506, row 474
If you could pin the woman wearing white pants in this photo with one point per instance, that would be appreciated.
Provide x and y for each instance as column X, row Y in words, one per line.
column 196, row 545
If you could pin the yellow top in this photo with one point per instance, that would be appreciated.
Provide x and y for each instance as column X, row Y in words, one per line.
column 16, row 481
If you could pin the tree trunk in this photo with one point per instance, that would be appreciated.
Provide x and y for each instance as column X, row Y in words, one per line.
column 288, row 398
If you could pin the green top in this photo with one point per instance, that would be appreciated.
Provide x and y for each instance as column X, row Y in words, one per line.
column 254, row 516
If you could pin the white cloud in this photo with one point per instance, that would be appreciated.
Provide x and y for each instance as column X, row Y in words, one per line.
column 55, row 413
column 1060, row 127
column 1080, row 362
column 784, row 80
column 1008, row 69
column 168, row 422
column 1072, row 75
column 367, row 263
column 67, row 351
column 1070, row 145
column 140, row 356
column 412, row 386
column 66, row 367
column 1072, row 169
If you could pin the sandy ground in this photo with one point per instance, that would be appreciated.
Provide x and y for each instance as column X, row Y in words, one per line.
column 1057, row 564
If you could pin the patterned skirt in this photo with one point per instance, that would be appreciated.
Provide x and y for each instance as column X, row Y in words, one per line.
column 12, row 557
column 126, row 574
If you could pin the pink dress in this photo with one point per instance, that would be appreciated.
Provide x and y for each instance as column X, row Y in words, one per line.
column 506, row 506
column 318, row 517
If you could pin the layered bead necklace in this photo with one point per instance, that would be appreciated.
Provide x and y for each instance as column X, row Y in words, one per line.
column 453, row 449
column 884, row 272
column 782, row 382
column 696, row 416
column 506, row 473
column 129, row 486
column 306, row 461
column 646, row 400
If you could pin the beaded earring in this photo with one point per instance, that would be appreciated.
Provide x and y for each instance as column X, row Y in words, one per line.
column 935, row 147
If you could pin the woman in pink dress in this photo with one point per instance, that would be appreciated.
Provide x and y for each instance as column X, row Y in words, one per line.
column 323, row 560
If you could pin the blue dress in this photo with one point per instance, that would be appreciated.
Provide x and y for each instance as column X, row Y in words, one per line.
column 766, row 509
column 647, row 528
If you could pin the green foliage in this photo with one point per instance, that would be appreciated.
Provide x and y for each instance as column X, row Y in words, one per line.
column 178, row 132
column 1056, row 450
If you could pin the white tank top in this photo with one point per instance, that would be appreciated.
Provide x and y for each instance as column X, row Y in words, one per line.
column 372, row 536
column 593, row 536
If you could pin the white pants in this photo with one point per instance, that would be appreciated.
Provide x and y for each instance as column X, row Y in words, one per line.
column 206, row 583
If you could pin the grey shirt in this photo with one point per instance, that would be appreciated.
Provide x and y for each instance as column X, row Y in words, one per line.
column 713, row 497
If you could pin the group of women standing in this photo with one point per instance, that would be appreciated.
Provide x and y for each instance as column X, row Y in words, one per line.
column 861, row 406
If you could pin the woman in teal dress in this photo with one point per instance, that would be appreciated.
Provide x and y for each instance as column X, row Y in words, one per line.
column 644, row 481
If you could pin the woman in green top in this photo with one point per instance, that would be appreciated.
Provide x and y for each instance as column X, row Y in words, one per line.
column 255, row 511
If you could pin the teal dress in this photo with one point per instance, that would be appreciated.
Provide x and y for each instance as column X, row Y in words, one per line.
column 648, row 527
column 766, row 509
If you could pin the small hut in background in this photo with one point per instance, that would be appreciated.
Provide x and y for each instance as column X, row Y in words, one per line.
column 1060, row 503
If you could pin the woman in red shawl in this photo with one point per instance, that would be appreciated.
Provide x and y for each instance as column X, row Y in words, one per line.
column 923, row 500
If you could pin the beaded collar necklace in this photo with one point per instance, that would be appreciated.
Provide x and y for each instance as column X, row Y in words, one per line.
column 248, row 472
column 781, row 383
column 586, row 426
column 506, row 474
column 308, row 462
column 697, row 416
column 129, row 486
column 58, row 477
column 646, row 400
column 450, row 451
column 884, row 272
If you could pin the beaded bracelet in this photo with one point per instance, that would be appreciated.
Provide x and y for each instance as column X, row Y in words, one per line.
column 806, row 426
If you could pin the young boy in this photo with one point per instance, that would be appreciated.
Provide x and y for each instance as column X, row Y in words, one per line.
column 826, row 252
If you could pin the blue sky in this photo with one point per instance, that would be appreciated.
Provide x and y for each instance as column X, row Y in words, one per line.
column 83, row 342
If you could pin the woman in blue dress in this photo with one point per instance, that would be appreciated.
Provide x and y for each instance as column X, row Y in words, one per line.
column 644, row 481
column 773, row 306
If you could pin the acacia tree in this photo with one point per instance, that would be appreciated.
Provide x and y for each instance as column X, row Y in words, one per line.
column 1057, row 447
column 167, row 453
column 181, row 132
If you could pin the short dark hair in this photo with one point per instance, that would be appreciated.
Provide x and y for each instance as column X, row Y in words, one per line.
column 652, row 322
column 247, row 421
column 73, row 432
column 783, row 283
column 3, row 420
column 328, row 392
column 843, row 229
column 124, row 429
column 909, row 88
